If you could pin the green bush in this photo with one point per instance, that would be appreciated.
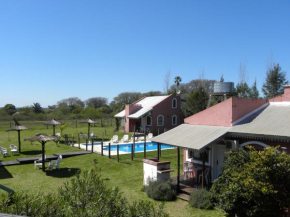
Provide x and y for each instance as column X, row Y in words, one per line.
column 201, row 199
column 254, row 183
column 161, row 191
column 85, row 195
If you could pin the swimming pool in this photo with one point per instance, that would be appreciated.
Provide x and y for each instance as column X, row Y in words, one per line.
column 139, row 147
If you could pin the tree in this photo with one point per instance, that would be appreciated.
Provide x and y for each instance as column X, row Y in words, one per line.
column 177, row 81
column 126, row 98
column 186, row 88
column 72, row 103
column 152, row 93
column 254, row 183
column 36, row 107
column 222, row 79
column 167, row 79
column 197, row 100
column 275, row 79
column 10, row 109
column 254, row 92
column 243, row 90
column 97, row 102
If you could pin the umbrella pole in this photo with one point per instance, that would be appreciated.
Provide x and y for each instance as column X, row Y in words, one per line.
column 19, row 142
column 89, row 131
column 53, row 133
column 43, row 162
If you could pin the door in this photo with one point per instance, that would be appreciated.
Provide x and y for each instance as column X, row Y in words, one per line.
column 219, row 159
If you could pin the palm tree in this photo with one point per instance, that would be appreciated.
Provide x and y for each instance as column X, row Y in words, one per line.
column 36, row 107
column 177, row 80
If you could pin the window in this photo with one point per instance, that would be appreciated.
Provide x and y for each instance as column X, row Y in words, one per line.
column 174, row 103
column 160, row 120
column 196, row 155
column 149, row 120
column 174, row 120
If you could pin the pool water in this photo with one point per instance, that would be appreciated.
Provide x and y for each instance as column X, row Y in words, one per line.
column 139, row 147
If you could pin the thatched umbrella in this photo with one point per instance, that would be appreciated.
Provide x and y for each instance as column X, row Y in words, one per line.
column 53, row 123
column 42, row 138
column 89, row 122
column 17, row 128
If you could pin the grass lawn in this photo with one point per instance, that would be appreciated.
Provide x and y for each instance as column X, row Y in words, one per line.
column 127, row 175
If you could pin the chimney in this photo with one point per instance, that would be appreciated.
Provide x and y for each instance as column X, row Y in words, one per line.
column 286, row 92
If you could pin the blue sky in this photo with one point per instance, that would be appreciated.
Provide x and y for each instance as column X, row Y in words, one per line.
column 52, row 50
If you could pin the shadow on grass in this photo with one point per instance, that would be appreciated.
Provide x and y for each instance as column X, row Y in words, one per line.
column 63, row 172
column 33, row 152
column 4, row 174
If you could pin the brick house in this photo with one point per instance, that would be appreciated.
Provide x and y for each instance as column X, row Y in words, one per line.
column 235, row 122
column 154, row 114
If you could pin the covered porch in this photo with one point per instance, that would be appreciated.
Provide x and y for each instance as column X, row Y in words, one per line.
column 203, row 149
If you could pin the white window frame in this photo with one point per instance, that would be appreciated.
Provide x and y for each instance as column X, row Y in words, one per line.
column 174, row 99
column 162, row 120
column 150, row 121
column 174, row 116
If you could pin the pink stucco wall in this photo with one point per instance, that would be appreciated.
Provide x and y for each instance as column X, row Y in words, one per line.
column 284, row 97
column 226, row 112
column 129, row 109
column 165, row 108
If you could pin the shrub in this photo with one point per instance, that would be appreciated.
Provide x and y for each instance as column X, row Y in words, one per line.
column 85, row 195
column 161, row 191
column 201, row 199
column 254, row 183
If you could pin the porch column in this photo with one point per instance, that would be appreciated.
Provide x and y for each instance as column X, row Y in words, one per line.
column 178, row 168
column 203, row 169
column 158, row 151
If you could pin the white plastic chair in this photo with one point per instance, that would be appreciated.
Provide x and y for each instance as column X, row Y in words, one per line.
column 13, row 149
column 91, row 134
column 206, row 176
column 4, row 151
column 115, row 139
column 186, row 170
column 51, row 164
column 39, row 161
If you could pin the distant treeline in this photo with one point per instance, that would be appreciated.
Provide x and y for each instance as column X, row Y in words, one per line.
column 194, row 98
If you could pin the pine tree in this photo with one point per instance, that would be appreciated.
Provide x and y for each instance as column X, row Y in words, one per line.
column 243, row 90
column 275, row 80
column 254, row 92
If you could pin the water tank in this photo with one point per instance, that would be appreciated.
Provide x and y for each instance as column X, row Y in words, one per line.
column 223, row 87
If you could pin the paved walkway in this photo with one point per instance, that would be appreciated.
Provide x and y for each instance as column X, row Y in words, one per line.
column 26, row 160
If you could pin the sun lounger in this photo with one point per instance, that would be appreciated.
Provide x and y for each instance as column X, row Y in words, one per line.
column 125, row 138
column 149, row 136
column 115, row 139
